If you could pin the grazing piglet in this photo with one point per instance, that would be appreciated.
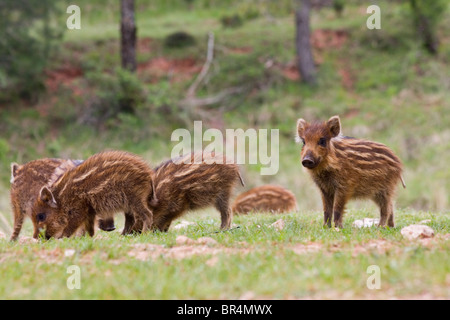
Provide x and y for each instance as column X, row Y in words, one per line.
column 193, row 182
column 273, row 199
column 27, row 180
column 105, row 184
column 344, row 168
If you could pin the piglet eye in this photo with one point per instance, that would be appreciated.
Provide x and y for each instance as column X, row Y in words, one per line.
column 41, row 217
column 322, row 142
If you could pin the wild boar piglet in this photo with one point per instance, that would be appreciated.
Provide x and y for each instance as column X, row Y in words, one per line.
column 345, row 168
column 105, row 184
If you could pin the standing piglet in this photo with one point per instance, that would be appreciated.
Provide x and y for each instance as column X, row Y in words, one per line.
column 191, row 182
column 104, row 184
column 26, row 182
column 268, row 198
column 344, row 168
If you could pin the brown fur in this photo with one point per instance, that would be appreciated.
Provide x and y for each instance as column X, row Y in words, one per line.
column 26, row 182
column 182, row 187
column 267, row 198
column 345, row 168
column 104, row 184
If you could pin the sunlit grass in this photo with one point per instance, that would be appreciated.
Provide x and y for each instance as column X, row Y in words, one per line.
column 261, row 262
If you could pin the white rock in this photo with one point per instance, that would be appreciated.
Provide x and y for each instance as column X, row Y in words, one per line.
column 365, row 223
column 183, row 224
column 417, row 231
column 69, row 252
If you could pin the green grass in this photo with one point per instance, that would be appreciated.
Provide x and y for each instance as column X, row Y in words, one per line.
column 256, row 261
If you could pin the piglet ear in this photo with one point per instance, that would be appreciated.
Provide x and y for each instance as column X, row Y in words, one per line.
column 301, row 125
column 46, row 196
column 14, row 168
column 334, row 125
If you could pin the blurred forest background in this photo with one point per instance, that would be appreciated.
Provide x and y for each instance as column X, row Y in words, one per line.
column 232, row 64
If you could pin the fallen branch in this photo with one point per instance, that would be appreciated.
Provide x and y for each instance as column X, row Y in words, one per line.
column 209, row 58
column 193, row 102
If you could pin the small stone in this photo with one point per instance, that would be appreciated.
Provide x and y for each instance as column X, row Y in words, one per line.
column 69, row 252
column 365, row 223
column 183, row 224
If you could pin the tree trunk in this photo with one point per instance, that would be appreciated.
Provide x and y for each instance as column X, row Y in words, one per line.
column 424, row 29
column 128, row 35
column 305, row 59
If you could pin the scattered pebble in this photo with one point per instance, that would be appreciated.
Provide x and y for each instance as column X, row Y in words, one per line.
column 365, row 223
column 69, row 252
column 183, row 224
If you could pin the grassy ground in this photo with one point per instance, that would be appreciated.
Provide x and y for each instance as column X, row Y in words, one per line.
column 382, row 83
column 254, row 261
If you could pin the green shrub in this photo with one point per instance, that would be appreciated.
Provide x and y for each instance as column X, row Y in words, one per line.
column 120, row 92
column 232, row 21
column 27, row 40
column 179, row 39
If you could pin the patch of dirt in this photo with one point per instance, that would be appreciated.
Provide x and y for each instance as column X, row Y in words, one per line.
column 290, row 71
column 64, row 75
column 144, row 45
column 185, row 248
column 175, row 69
column 321, row 41
column 324, row 39
column 311, row 247
column 379, row 246
column 347, row 77
column 146, row 251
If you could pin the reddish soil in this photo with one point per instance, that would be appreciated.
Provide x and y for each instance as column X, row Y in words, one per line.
column 62, row 76
column 324, row 39
column 321, row 40
column 175, row 69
